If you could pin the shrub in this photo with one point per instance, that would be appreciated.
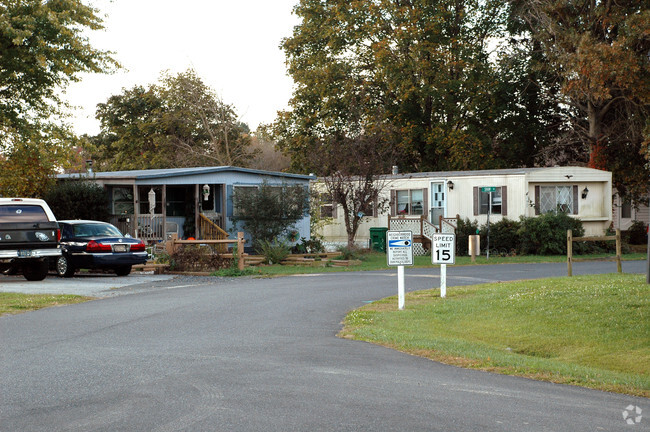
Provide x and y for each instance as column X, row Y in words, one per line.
column 78, row 200
column 464, row 229
column 546, row 234
column 349, row 253
column 198, row 258
column 274, row 252
column 504, row 235
column 313, row 245
column 269, row 211
column 637, row 233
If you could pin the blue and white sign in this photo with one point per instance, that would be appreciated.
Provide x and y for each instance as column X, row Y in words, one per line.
column 399, row 248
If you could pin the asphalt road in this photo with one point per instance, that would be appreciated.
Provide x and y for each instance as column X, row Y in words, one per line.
column 208, row 354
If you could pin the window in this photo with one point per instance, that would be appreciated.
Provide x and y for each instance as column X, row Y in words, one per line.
column 626, row 210
column 243, row 193
column 409, row 202
column 122, row 200
column 557, row 199
column 22, row 213
column 326, row 205
column 485, row 204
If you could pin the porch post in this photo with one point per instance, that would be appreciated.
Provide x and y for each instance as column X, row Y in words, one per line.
column 164, row 212
column 136, row 211
column 196, row 211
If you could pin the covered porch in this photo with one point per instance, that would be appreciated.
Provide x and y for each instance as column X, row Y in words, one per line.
column 190, row 210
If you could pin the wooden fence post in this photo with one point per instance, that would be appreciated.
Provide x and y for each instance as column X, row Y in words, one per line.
column 569, row 251
column 619, row 266
column 240, row 250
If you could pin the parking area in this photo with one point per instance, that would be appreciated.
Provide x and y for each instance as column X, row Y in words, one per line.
column 86, row 284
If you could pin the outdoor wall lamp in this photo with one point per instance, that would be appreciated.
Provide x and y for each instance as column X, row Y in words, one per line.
column 585, row 191
column 206, row 192
column 450, row 184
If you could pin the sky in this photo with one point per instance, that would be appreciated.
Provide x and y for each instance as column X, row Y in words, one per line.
column 232, row 45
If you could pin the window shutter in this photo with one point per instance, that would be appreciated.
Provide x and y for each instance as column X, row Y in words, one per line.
column 393, row 202
column 575, row 199
column 229, row 206
column 335, row 207
column 537, row 203
column 504, row 200
column 425, row 203
column 475, row 200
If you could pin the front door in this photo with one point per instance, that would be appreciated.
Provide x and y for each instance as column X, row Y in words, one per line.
column 438, row 202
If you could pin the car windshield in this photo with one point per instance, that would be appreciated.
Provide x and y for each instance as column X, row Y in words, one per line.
column 22, row 213
column 95, row 230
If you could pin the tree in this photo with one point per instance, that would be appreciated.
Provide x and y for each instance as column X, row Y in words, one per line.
column 267, row 155
column 599, row 51
column 28, row 167
column 26, row 171
column 355, row 180
column 420, row 70
column 269, row 211
column 42, row 49
column 178, row 122
column 82, row 199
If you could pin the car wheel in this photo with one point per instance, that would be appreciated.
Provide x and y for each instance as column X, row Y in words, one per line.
column 36, row 271
column 123, row 270
column 64, row 267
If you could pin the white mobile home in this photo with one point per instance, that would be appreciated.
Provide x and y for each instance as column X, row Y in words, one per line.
column 584, row 193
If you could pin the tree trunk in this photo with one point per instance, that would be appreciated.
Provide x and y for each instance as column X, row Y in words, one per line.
column 596, row 150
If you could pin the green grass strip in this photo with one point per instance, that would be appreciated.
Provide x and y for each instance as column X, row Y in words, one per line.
column 15, row 303
column 592, row 331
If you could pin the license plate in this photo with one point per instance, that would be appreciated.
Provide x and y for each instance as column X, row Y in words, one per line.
column 119, row 248
column 24, row 253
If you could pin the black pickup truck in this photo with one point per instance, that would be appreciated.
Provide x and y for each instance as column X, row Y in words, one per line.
column 29, row 236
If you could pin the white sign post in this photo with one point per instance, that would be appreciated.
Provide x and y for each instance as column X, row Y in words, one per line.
column 399, row 252
column 443, row 252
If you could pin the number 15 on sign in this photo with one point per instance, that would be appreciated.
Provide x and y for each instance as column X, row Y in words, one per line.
column 443, row 252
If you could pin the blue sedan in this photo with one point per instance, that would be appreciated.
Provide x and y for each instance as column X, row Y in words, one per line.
column 89, row 244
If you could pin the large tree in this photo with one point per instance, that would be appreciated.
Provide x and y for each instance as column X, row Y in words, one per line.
column 43, row 47
column 599, row 51
column 177, row 122
column 419, row 70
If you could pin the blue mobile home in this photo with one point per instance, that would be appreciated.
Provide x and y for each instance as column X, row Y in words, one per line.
column 197, row 202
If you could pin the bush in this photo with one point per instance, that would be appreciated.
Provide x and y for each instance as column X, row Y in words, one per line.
column 464, row 229
column 78, row 200
column 504, row 235
column 269, row 211
column 313, row 245
column 197, row 258
column 274, row 252
column 546, row 234
column 637, row 233
column 349, row 253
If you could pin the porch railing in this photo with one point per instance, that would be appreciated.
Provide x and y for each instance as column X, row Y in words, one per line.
column 211, row 231
column 420, row 226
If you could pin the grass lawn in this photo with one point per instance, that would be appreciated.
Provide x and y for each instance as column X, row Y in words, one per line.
column 592, row 331
column 14, row 303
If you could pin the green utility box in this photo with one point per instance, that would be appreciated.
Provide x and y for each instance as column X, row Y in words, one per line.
column 378, row 239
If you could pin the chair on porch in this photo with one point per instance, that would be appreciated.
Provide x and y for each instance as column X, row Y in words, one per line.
column 170, row 229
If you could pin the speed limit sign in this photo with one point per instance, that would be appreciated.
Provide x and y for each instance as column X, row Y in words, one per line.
column 443, row 249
